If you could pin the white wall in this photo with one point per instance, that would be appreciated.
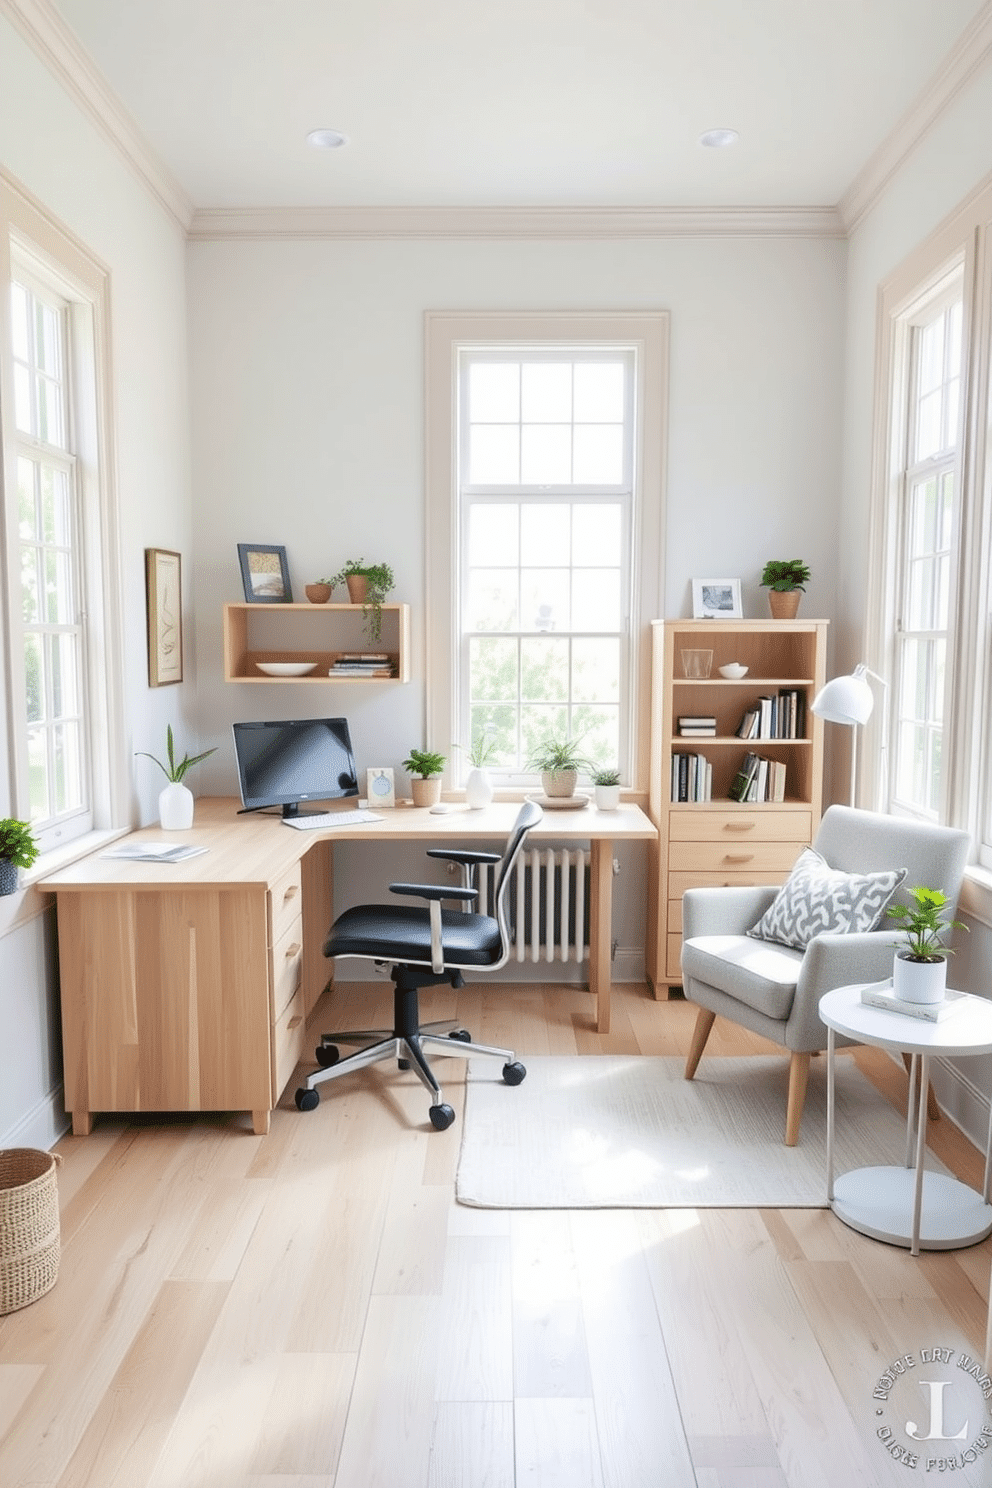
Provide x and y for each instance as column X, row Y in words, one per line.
column 51, row 147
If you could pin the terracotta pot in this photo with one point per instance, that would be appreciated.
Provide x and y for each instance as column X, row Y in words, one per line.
column 358, row 588
column 318, row 593
column 426, row 792
column 784, row 603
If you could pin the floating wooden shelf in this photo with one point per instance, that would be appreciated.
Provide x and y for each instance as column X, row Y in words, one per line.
column 307, row 632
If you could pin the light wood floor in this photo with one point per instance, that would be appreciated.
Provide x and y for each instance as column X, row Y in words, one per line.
column 311, row 1309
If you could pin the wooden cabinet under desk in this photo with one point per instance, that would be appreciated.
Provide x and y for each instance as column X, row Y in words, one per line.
column 716, row 841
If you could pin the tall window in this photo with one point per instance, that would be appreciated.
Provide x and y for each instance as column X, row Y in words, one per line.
column 545, row 509
column 546, row 484
column 48, row 540
column 927, row 567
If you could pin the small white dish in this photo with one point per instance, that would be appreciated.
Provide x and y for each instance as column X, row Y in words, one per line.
column 562, row 803
column 441, row 808
column 285, row 668
column 733, row 671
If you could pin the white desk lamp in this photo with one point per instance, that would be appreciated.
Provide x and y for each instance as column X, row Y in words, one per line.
column 848, row 700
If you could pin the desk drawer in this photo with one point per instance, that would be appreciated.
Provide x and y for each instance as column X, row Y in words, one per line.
column 287, row 1043
column 733, row 857
column 679, row 882
column 285, row 902
column 740, row 826
column 285, row 963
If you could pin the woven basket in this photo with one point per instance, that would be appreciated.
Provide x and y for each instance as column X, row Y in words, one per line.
column 29, row 1226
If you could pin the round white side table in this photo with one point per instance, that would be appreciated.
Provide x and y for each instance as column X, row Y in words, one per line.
column 907, row 1205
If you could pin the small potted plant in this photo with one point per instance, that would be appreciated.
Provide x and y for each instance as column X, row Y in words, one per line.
column 919, row 970
column 18, row 849
column 175, row 802
column 425, row 767
column 785, row 579
column 368, row 584
column 320, row 591
column 607, row 784
column 559, row 762
column 478, row 786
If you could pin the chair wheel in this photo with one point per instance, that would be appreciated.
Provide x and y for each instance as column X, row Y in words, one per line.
column 441, row 1117
column 462, row 1035
column 402, row 1064
column 326, row 1055
column 307, row 1100
column 513, row 1073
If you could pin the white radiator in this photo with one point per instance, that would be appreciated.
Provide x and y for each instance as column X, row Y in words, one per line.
column 547, row 904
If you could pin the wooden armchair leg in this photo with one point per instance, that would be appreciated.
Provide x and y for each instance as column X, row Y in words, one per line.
column 701, row 1032
column 933, row 1110
column 798, row 1080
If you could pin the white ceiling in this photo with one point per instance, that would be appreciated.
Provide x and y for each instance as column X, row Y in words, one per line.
column 518, row 102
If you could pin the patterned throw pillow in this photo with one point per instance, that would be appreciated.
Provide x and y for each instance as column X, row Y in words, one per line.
column 816, row 897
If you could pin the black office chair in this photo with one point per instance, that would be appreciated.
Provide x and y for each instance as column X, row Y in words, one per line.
column 424, row 947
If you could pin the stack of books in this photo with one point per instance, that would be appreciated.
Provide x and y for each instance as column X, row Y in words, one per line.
column 881, row 995
column 698, row 726
column 758, row 779
column 363, row 664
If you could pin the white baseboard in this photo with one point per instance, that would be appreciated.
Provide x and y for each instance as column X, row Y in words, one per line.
column 962, row 1101
column 42, row 1126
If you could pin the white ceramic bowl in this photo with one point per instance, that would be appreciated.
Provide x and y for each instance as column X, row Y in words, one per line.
column 285, row 668
column 733, row 671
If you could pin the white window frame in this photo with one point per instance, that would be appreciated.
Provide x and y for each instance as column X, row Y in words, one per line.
column 447, row 334
column 36, row 247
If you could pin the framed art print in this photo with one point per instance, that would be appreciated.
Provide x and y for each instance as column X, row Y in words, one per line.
column 380, row 786
column 164, row 610
column 264, row 574
column 716, row 599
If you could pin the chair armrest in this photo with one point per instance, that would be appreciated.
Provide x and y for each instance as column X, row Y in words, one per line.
column 434, row 891
column 462, row 855
column 728, row 910
column 837, row 961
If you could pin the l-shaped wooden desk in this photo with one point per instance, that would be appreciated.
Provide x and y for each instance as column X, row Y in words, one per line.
column 187, row 986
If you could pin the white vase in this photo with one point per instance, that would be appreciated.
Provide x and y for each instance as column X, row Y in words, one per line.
column 918, row 981
column 607, row 797
column 175, row 807
column 478, row 789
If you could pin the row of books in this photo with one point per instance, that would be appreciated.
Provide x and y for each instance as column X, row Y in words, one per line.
column 758, row 779
column 782, row 716
column 362, row 664
column 692, row 778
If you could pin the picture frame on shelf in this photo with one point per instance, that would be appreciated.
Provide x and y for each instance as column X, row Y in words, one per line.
column 717, row 599
column 164, row 613
column 265, row 573
column 380, row 785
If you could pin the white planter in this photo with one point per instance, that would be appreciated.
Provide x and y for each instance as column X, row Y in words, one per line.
column 478, row 789
column 607, row 797
column 175, row 807
column 919, row 981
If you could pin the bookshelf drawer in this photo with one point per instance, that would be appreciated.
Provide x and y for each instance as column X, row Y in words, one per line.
column 679, row 882
column 740, row 826
column 674, row 959
column 733, row 857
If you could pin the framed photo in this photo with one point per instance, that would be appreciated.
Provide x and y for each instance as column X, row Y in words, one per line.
column 380, row 786
column 164, row 609
column 716, row 599
column 265, row 574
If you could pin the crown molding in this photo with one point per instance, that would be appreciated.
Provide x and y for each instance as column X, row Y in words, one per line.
column 969, row 54
column 219, row 224
column 44, row 30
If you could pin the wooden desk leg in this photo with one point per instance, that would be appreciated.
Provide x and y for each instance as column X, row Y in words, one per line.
column 260, row 1122
column 600, row 928
column 82, row 1123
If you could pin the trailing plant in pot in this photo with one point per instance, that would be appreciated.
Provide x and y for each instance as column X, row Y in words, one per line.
column 368, row 584
column 607, row 788
column 559, row 762
column 919, row 970
column 175, row 802
column 425, row 768
column 18, row 849
column 785, row 579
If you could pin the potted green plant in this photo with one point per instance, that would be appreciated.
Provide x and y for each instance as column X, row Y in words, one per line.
column 478, row 786
column 785, row 579
column 606, row 781
column 175, row 802
column 425, row 768
column 919, row 970
column 18, row 849
column 368, row 584
column 559, row 762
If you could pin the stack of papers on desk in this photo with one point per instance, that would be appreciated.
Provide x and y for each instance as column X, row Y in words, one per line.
column 155, row 852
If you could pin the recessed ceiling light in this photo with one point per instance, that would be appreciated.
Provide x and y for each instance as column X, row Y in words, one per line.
column 326, row 139
column 719, row 139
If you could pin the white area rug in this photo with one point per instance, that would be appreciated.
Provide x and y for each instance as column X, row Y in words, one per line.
column 599, row 1132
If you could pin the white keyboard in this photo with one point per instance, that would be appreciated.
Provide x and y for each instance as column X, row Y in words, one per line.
column 324, row 819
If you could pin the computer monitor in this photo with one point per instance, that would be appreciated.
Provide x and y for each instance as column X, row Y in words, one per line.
column 292, row 761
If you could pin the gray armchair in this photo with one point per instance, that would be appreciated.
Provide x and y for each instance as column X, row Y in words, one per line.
column 775, row 990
